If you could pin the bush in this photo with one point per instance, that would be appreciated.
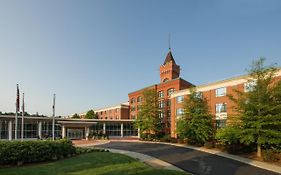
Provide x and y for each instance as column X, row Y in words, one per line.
column 269, row 156
column 228, row 135
column 17, row 152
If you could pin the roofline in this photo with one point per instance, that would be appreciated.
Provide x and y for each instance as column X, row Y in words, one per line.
column 142, row 89
column 123, row 104
column 67, row 119
column 242, row 78
column 29, row 117
column 179, row 78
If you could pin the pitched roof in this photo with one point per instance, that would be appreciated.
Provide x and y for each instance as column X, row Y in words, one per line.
column 169, row 58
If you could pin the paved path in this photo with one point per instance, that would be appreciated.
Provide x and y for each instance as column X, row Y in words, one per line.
column 193, row 161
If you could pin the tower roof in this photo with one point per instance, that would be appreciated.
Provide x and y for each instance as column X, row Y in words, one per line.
column 169, row 58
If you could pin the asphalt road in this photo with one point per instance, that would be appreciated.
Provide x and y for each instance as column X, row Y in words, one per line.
column 195, row 162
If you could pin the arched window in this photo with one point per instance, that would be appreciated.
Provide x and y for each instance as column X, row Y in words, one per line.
column 170, row 91
column 139, row 99
column 133, row 100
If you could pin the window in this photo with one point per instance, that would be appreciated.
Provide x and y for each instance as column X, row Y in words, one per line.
column 133, row 100
column 139, row 99
column 179, row 111
column 220, row 123
column 249, row 86
column 161, row 94
column 180, row 99
column 168, row 103
column 170, row 91
column 161, row 115
column 168, row 113
column 161, row 104
column 199, row 95
column 221, row 92
column 220, row 107
column 133, row 108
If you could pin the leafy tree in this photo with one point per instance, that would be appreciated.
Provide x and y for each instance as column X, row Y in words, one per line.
column 148, row 120
column 196, row 123
column 75, row 116
column 91, row 115
column 259, row 110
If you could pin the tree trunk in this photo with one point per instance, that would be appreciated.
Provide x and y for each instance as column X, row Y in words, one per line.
column 258, row 150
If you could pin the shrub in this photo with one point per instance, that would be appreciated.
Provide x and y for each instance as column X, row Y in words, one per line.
column 228, row 135
column 17, row 152
column 269, row 156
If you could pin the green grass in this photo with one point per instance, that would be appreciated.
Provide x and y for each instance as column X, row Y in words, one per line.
column 97, row 163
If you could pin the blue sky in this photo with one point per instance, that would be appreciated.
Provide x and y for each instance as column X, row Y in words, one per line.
column 93, row 53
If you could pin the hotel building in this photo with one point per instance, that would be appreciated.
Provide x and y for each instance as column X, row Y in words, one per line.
column 172, row 90
column 117, row 120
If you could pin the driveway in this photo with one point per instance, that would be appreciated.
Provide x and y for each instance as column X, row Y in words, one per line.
column 193, row 161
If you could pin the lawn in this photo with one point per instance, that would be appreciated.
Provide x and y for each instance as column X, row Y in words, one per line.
column 97, row 163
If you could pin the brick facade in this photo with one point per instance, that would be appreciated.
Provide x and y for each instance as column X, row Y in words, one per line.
column 215, row 100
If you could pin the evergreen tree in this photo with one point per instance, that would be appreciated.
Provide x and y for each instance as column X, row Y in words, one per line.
column 196, row 123
column 259, row 109
column 148, row 120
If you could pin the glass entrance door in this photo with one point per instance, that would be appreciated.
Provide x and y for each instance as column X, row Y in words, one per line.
column 75, row 134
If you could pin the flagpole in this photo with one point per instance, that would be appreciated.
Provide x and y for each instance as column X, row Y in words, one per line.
column 22, row 120
column 17, row 109
column 53, row 127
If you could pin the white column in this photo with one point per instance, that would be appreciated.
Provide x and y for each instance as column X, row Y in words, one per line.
column 138, row 132
column 121, row 129
column 10, row 130
column 40, row 129
column 104, row 128
column 63, row 131
column 87, row 131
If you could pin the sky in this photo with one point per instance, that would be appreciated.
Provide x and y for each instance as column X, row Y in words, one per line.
column 92, row 53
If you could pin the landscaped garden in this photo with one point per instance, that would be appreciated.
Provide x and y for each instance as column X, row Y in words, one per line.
column 96, row 163
column 61, row 157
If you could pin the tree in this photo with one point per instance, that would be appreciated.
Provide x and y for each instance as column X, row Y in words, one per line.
column 148, row 120
column 75, row 116
column 259, row 110
column 196, row 123
column 91, row 115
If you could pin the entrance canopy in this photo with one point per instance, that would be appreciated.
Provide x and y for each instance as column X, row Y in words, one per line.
column 77, row 123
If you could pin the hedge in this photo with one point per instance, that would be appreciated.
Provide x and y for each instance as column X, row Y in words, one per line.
column 17, row 152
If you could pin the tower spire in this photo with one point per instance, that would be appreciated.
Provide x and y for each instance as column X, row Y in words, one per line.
column 169, row 41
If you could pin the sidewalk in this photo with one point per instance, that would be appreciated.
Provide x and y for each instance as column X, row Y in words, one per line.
column 86, row 143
